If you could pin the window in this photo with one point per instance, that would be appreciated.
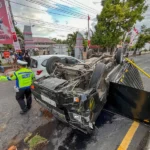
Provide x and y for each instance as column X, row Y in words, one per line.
column 34, row 63
column 72, row 60
column 44, row 63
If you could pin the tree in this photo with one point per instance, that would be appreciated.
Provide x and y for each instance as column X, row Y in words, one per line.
column 116, row 18
column 85, row 43
column 143, row 38
column 8, row 46
column 127, row 40
column 19, row 33
column 71, row 40
column 59, row 41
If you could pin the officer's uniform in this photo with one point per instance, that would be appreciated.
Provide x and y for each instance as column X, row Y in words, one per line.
column 24, row 78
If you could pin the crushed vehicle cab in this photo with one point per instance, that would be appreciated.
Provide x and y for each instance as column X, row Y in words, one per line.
column 76, row 94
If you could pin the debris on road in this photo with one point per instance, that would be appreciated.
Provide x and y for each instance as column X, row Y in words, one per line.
column 37, row 141
column 13, row 148
column 27, row 137
column 2, row 127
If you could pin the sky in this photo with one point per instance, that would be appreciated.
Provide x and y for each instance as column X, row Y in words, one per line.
column 57, row 18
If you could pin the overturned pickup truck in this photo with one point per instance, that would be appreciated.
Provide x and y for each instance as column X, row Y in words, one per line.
column 76, row 94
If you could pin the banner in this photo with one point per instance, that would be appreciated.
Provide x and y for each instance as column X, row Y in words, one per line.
column 79, row 46
column 5, row 30
column 16, row 43
column 133, row 36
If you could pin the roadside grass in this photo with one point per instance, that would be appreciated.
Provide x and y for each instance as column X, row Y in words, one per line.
column 35, row 141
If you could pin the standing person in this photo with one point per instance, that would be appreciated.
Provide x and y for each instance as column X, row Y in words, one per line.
column 27, row 58
column 44, row 53
column 1, row 67
column 6, row 56
column 19, row 56
column 24, row 78
column 14, row 58
column 11, row 51
column 48, row 52
column 11, row 56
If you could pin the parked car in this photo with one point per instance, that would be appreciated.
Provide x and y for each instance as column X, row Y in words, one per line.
column 38, row 63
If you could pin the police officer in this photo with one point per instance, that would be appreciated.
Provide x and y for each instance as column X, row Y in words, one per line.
column 24, row 78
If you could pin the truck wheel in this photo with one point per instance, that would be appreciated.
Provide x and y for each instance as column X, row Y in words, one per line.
column 97, row 75
column 89, row 53
column 119, row 56
column 51, row 64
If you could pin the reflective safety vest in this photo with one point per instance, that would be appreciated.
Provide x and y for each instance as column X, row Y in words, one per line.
column 24, row 78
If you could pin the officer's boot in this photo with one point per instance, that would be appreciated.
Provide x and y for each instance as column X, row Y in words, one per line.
column 24, row 111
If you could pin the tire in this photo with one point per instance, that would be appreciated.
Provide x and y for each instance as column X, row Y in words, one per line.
column 89, row 53
column 119, row 56
column 50, row 66
column 97, row 75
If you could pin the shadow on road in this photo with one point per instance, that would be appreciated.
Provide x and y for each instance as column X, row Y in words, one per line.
column 62, row 137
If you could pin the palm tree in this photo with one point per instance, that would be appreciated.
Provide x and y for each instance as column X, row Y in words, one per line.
column 71, row 40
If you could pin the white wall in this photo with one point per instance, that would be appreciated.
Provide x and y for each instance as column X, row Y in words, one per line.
column 147, row 46
column 60, row 49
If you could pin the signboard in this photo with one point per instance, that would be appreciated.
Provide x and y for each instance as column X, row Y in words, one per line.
column 5, row 30
column 16, row 43
column 79, row 46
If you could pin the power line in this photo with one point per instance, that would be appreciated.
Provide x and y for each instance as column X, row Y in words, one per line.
column 66, row 10
column 53, row 2
column 45, row 11
column 58, row 9
column 39, row 26
column 64, row 26
column 81, row 6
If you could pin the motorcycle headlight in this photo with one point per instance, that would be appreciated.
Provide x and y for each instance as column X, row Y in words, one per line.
column 77, row 117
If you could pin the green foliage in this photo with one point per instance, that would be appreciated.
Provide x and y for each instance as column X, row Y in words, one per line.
column 35, row 141
column 116, row 18
column 85, row 43
column 143, row 38
column 59, row 41
column 127, row 40
column 71, row 40
column 19, row 33
column 8, row 46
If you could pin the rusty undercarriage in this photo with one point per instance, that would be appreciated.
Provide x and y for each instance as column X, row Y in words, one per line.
column 77, row 94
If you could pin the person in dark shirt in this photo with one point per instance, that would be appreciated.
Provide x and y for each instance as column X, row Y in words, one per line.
column 27, row 58
column 44, row 53
column 1, row 67
column 19, row 56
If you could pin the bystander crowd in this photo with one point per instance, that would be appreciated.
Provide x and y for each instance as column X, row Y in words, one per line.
column 1, row 67
column 7, row 56
column 27, row 58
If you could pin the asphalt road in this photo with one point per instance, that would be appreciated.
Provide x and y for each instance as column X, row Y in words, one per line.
column 144, row 62
column 110, row 133
column 13, row 126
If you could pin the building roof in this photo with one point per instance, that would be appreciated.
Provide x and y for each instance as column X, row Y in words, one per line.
column 42, row 40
